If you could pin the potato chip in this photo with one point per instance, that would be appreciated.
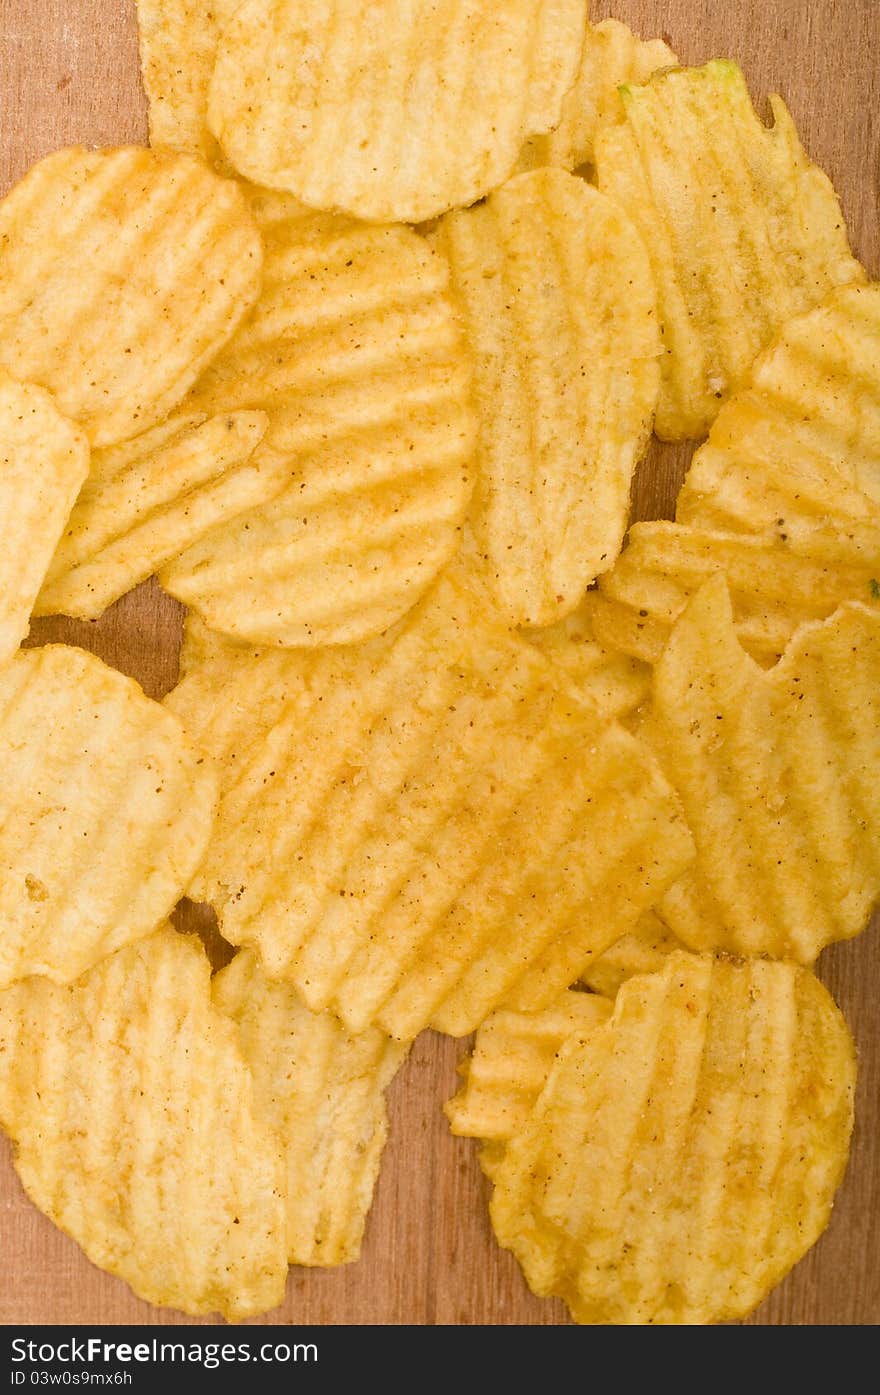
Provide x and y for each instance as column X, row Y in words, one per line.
column 612, row 54
column 683, row 1157
column 776, row 772
column 131, row 1110
column 643, row 951
column 178, row 48
column 408, row 828
column 560, row 310
column 777, row 582
column 800, row 445
column 124, row 272
column 742, row 230
column 355, row 353
column 613, row 683
column 106, row 808
column 322, row 1091
column 149, row 499
column 395, row 111
column 44, row 459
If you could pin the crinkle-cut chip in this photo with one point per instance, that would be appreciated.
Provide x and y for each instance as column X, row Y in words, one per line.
column 106, row 809
column 322, row 1091
column 614, row 683
column 124, row 272
column 394, row 111
column 356, row 354
column 409, row 827
column 776, row 583
column 683, row 1157
column 135, row 1129
column 560, row 311
column 178, row 49
column 777, row 774
column 742, row 230
column 800, row 444
column 44, row 459
column 643, row 951
column 201, row 645
column 612, row 54
column 147, row 500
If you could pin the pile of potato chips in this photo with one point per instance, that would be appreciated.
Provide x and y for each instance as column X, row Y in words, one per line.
column 360, row 359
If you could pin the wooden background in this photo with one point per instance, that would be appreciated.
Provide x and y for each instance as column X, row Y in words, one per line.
column 69, row 74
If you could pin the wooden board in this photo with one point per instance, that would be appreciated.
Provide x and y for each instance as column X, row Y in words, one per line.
column 69, row 74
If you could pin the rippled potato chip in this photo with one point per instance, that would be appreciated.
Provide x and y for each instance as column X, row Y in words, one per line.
column 131, row 1112
column 106, row 808
column 148, row 500
column 124, row 272
column 683, row 1157
column 44, row 459
column 643, row 951
column 560, row 311
column 178, row 49
column 742, row 230
column 322, row 1092
column 394, row 111
column 777, row 774
column 409, row 829
column 615, row 684
column 612, row 55
column 355, row 353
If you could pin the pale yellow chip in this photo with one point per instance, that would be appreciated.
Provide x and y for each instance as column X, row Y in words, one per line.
column 124, row 272
column 409, row 828
column 776, row 582
column 643, row 951
column 612, row 55
column 106, row 808
column 135, row 1130
column 742, row 230
column 178, row 48
column 560, row 311
column 777, row 775
column 615, row 684
column 322, row 1092
column 683, row 1157
column 44, row 459
column 149, row 499
column 394, row 111
column 355, row 353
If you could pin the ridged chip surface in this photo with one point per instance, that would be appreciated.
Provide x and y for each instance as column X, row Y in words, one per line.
column 44, row 459
column 356, row 354
column 682, row 1158
column 147, row 501
column 560, row 311
column 409, row 829
column 613, row 683
column 123, row 273
column 742, row 230
column 776, row 771
column 106, row 808
column 132, row 1115
column 394, row 111
column 643, row 951
column 322, row 1092
column 178, row 48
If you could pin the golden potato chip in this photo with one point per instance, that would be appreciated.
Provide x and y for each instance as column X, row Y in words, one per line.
column 356, row 355
column 561, row 315
column 395, row 111
column 124, row 272
column 643, row 951
column 178, row 48
column 409, row 827
column 149, row 499
column 742, row 230
column 777, row 582
column 799, row 446
column 135, row 1130
column 106, row 808
column 684, row 1156
column 612, row 54
column 44, row 459
column 322, row 1091
column 776, row 772
column 614, row 683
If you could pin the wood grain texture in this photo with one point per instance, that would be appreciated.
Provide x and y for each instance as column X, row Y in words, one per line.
column 69, row 74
